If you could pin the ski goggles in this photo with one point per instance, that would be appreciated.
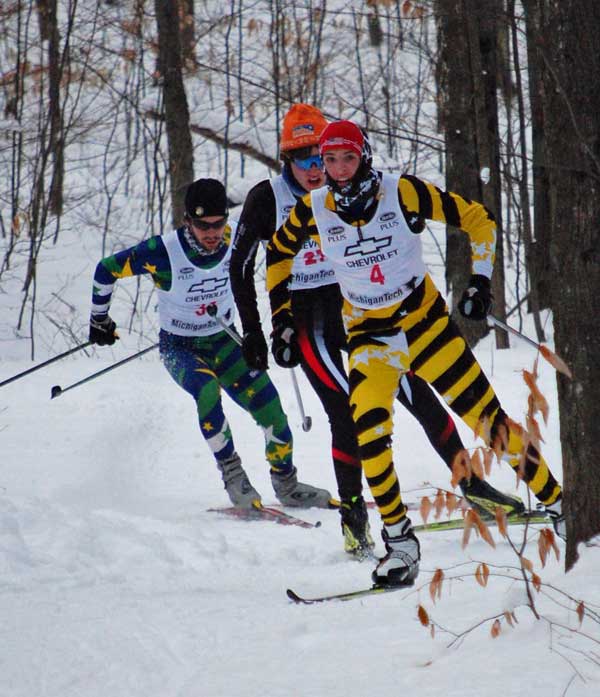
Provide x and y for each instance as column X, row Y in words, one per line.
column 205, row 225
column 308, row 162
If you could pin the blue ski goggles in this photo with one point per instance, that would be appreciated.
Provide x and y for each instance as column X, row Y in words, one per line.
column 308, row 162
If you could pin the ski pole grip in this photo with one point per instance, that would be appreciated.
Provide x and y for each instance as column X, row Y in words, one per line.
column 287, row 334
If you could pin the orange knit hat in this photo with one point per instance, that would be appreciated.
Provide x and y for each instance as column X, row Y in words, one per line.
column 302, row 126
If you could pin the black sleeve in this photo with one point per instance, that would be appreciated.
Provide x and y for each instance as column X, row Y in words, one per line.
column 256, row 223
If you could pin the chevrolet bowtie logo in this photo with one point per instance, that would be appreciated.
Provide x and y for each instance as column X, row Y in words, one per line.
column 208, row 285
column 368, row 245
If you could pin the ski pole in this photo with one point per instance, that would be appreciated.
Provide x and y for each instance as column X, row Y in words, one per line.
column 212, row 311
column 499, row 323
column 306, row 420
column 555, row 361
column 45, row 363
column 57, row 390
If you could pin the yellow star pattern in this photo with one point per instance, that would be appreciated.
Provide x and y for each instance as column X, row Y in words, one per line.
column 127, row 271
column 282, row 451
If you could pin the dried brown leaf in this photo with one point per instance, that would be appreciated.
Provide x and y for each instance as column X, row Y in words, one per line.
column 538, row 400
column 425, row 508
column 526, row 564
column 460, row 467
column 552, row 542
column 537, row 582
column 483, row 530
column 580, row 611
column 452, row 502
column 488, row 459
column 556, row 361
column 500, row 443
column 423, row 616
column 483, row 429
column 520, row 431
column 439, row 503
column 482, row 574
column 533, row 429
column 495, row 631
column 501, row 521
column 509, row 618
column 476, row 466
column 469, row 525
column 543, row 546
column 435, row 585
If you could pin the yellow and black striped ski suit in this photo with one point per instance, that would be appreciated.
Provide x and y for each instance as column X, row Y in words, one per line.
column 415, row 334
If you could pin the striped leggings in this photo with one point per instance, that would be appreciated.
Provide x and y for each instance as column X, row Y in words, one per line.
column 430, row 344
column 203, row 366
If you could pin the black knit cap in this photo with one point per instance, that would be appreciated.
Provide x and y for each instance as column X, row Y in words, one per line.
column 206, row 197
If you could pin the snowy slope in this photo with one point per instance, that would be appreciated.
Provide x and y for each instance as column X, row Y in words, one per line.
column 115, row 580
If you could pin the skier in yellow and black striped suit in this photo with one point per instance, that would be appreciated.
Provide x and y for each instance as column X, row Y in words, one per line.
column 397, row 320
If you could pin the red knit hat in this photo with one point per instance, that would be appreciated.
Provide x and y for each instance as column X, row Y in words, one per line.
column 302, row 126
column 342, row 134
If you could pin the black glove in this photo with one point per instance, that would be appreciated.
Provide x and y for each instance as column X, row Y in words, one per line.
column 102, row 330
column 284, row 346
column 476, row 301
column 255, row 350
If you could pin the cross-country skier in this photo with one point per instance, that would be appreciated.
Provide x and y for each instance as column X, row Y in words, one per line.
column 190, row 269
column 316, row 304
column 396, row 320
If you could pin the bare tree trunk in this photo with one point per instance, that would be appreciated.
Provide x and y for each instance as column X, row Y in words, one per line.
column 456, row 122
column 539, row 271
column 56, row 137
column 534, row 303
column 177, row 115
column 571, row 107
column 483, row 40
column 467, row 80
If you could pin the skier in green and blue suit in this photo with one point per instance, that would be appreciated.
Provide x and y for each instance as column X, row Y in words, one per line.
column 190, row 269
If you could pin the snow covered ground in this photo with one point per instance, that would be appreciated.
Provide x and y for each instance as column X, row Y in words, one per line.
column 115, row 580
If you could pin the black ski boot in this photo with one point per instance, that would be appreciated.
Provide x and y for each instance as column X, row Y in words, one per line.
column 485, row 499
column 355, row 528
